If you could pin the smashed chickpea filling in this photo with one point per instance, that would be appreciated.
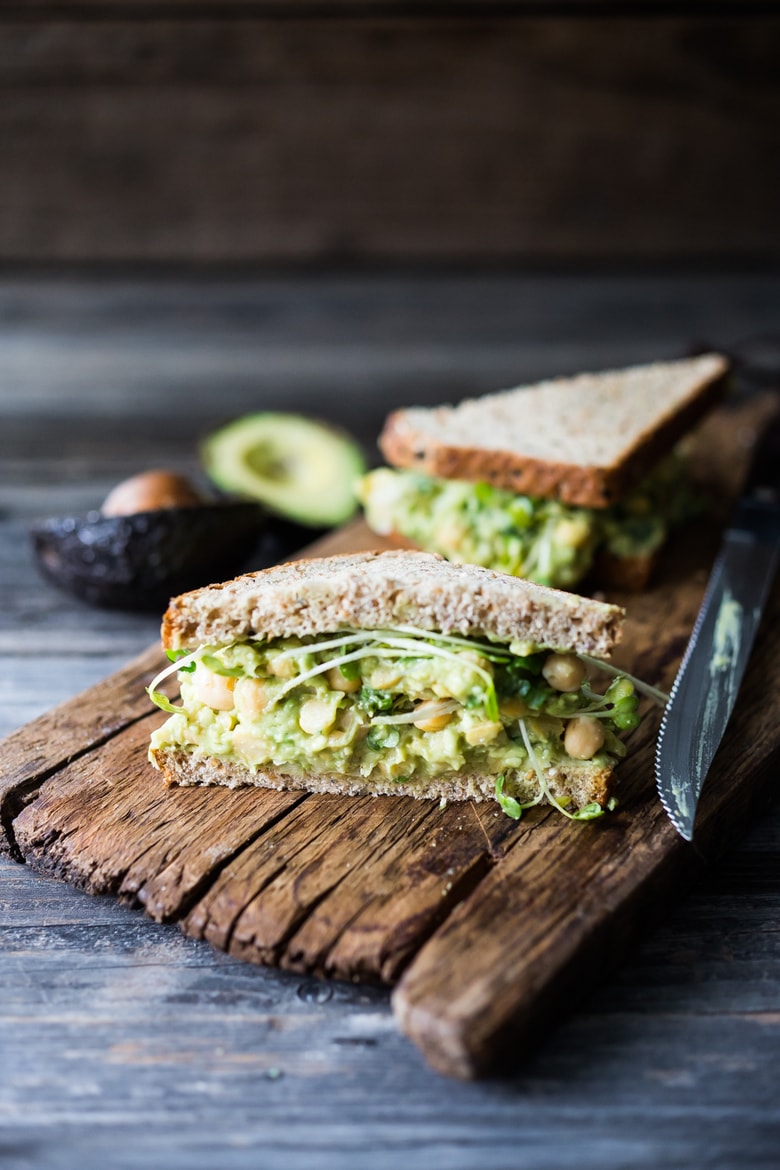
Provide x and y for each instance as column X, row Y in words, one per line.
column 396, row 706
column 541, row 539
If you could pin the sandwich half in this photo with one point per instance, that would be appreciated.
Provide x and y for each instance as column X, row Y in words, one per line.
column 395, row 672
column 551, row 480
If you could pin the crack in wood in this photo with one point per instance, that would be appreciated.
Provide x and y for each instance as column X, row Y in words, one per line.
column 39, row 752
column 413, row 883
column 200, row 888
column 297, row 960
column 220, row 931
column 25, row 792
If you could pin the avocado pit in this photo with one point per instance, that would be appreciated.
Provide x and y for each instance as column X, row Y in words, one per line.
column 150, row 491
column 136, row 558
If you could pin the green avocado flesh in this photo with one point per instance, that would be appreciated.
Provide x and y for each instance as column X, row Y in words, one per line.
column 399, row 706
column 300, row 468
column 543, row 540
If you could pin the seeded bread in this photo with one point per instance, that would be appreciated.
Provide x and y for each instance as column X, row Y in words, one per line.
column 375, row 590
column 579, row 783
column 584, row 440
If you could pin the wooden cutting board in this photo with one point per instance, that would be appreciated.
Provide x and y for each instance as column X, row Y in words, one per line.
column 488, row 928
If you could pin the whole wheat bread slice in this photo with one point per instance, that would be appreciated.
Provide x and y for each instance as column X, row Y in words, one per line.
column 376, row 590
column 579, row 783
column 584, row 440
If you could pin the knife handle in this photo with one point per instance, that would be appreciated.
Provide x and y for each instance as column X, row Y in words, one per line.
column 763, row 478
column 756, row 519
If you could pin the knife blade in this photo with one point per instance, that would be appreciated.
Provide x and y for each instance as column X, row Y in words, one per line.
column 706, row 686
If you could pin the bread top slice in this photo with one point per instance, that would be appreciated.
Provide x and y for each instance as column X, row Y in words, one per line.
column 377, row 590
column 584, row 440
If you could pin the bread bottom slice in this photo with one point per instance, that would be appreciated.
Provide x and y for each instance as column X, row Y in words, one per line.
column 574, row 784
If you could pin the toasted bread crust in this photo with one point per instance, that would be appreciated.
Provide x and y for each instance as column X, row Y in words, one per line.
column 580, row 783
column 435, row 442
column 375, row 590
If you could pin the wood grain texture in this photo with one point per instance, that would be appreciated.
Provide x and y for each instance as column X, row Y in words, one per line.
column 162, row 134
column 67, row 732
column 127, row 1044
column 491, row 925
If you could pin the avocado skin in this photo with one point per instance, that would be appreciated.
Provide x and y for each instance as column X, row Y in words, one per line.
column 139, row 562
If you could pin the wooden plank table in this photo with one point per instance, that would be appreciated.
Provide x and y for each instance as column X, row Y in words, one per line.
column 132, row 1044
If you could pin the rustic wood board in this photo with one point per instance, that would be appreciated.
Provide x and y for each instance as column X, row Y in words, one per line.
column 487, row 927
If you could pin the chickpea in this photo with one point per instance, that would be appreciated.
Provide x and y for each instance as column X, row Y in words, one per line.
column 345, row 729
column 564, row 672
column 475, row 659
column 385, row 677
column 338, row 682
column 281, row 667
column 316, row 716
column 149, row 492
column 584, row 736
column 433, row 722
column 483, row 733
column 250, row 697
column 252, row 748
column 213, row 690
column 572, row 533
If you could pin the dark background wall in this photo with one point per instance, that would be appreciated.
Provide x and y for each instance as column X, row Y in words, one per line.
column 328, row 132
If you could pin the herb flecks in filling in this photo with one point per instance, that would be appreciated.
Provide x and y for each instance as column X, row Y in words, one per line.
column 399, row 705
column 544, row 540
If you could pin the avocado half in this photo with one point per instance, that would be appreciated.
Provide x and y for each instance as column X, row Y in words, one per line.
column 138, row 562
column 298, row 467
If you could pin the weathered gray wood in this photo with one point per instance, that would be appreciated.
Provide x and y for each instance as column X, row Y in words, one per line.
column 197, row 1034
column 174, row 357
column 294, row 133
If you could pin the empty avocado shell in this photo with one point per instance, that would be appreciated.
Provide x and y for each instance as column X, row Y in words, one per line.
column 154, row 537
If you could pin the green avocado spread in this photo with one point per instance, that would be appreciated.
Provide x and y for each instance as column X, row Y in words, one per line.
column 544, row 540
column 402, row 705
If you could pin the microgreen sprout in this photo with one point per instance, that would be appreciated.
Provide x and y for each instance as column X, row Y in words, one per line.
column 659, row 697
column 426, row 710
column 588, row 813
column 394, row 645
column 508, row 804
column 218, row 667
column 186, row 663
column 176, row 656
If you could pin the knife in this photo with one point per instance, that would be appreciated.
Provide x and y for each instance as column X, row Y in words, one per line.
column 710, row 674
